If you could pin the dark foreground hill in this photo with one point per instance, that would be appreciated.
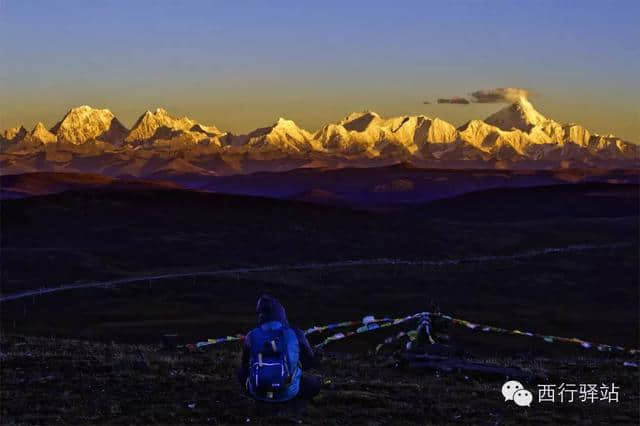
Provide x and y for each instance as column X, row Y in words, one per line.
column 477, row 269
column 518, row 204
column 113, row 232
column 396, row 184
column 480, row 269
column 363, row 187
column 43, row 183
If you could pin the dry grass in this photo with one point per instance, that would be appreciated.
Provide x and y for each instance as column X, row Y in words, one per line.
column 58, row 381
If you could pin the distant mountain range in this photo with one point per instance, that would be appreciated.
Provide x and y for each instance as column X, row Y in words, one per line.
column 158, row 144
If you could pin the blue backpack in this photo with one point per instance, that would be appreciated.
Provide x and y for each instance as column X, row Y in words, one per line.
column 274, row 374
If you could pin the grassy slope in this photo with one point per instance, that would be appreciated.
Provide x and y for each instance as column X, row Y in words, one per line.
column 49, row 381
column 97, row 235
column 104, row 234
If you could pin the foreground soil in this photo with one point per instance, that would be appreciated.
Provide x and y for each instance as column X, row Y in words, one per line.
column 60, row 381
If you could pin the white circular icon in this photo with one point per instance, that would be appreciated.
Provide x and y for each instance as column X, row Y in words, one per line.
column 523, row 398
column 509, row 388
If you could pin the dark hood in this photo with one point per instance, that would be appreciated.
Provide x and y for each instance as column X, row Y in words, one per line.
column 269, row 309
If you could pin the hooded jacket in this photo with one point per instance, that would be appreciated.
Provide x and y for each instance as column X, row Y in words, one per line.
column 271, row 314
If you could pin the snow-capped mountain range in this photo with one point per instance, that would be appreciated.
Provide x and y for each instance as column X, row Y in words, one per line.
column 517, row 133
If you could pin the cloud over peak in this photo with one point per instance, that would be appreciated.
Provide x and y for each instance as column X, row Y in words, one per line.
column 455, row 100
column 501, row 94
column 490, row 96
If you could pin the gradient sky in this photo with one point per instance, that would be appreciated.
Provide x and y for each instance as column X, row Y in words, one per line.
column 241, row 64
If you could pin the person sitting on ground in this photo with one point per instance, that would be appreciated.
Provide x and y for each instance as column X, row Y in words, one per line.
column 274, row 357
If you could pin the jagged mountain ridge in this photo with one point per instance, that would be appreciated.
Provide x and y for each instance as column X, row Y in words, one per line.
column 160, row 127
column 83, row 124
column 283, row 135
column 14, row 134
column 519, row 115
column 41, row 134
column 515, row 134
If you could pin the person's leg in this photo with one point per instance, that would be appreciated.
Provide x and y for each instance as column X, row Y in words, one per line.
column 309, row 386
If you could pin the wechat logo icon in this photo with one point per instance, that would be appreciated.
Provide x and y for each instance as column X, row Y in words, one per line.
column 514, row 391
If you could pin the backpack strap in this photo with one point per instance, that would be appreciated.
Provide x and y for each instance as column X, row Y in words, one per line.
column 288, row 372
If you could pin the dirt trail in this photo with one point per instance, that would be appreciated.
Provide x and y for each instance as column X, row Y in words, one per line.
column 316, row 266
